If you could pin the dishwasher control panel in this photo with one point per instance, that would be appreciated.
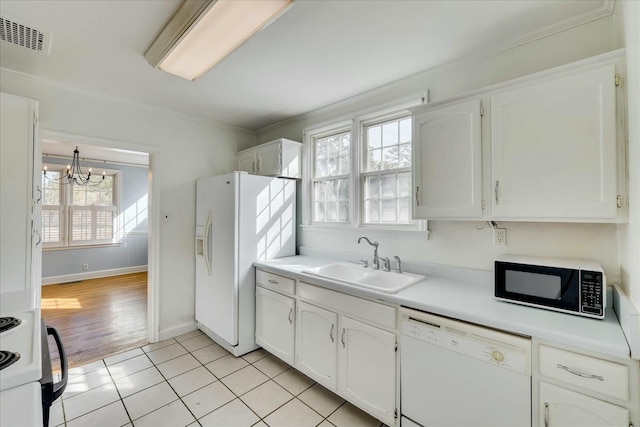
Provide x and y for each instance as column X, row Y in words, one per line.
column 472, row 343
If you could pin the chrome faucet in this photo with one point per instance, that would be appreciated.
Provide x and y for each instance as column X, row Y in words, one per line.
column 386, row 264
column 398, row 264
column 376, row 259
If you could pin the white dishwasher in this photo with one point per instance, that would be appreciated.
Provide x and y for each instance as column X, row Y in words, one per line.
column 459, row 374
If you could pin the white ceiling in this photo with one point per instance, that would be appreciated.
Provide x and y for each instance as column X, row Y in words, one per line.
column 317, row 53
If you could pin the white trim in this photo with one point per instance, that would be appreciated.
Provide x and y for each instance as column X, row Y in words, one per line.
column 177, row 330
column 66, row 278
column 371, row 231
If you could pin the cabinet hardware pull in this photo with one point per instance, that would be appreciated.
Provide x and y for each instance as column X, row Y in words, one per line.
column 39, row 237
column 580, row 374
column 496, row 191
column 275, row 282
column 546, row 414
column 253, row 166
column 290, row 318
column 259, row 164
column 344, row 331
column 39, row 194
column 331, row 332
column 417, row 190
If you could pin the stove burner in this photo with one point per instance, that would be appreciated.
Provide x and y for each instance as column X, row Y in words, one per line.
column 7, row 323
column 8, row 358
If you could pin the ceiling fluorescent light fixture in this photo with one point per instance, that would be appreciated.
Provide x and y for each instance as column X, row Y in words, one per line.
column 203, row 32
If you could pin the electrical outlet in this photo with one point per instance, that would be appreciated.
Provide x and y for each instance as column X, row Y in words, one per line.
column 85, row 267
column 500, row 236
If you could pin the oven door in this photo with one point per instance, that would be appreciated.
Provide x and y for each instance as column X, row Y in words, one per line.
column 50, row 390
column 552, row 287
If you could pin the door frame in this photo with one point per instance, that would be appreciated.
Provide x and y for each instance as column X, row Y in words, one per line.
column 153, row 248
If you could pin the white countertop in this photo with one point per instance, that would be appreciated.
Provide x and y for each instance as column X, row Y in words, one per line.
column 474, row 302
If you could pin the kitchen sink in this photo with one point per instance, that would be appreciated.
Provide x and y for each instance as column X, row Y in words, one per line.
column 356, row 275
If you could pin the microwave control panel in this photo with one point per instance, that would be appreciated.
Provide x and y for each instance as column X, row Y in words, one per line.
column 591, row 293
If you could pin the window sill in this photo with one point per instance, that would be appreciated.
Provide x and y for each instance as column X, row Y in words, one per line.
column 66, row 248
column 370, row 231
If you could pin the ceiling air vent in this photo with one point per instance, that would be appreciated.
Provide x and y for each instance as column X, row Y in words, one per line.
column 24, row 36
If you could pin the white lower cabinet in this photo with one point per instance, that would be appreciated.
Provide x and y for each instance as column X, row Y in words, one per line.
column 561, row 407
column 367, row 368
column 316, row 334
column 275, row 323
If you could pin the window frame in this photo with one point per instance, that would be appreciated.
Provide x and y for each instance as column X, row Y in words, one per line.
column 66, row 209
column 356, row 126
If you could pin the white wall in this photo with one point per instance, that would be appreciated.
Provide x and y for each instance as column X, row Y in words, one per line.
column 189, row 148
column 459, row 243
column 628, row 19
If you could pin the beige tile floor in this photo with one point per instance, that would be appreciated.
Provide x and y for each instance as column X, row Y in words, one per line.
column 191, row 381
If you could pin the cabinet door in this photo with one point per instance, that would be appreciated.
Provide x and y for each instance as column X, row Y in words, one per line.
column 447, row 162
column 367, row 368
column 268, row 159
column 560, row 407
column 316, row 344
column 19, row 220
column 274, row 323
column 554, row 149
column 246, row 161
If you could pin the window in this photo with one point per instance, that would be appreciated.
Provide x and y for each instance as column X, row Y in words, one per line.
column 90, row 211
column 387, row 172
column 361, row 173
column 331, row 177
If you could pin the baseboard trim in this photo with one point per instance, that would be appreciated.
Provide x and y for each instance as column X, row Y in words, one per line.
column 177, row 330
column 92, row 275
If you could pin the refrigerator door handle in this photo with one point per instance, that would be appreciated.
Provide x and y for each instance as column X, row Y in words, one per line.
column 205, row 245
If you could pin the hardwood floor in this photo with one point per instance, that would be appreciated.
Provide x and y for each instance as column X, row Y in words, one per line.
column 97, row 317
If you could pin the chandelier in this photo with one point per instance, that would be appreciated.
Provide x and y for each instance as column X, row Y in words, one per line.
column 74, row 174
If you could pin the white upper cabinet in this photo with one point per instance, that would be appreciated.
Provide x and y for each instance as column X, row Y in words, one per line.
column 447, row 167
column 281, row 157
column 554, row 150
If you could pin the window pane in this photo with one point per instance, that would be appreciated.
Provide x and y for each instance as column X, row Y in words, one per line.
column 404, row 184
column 374, row 137
column 331, row 211
column 333, row 146
column 343, row 189
column 50, row 188
column 404, row 211
column 388, row 186
column 343, row 211
column 405, row 156
column 389, row 213
column 372, row 187
column 375, row 160
column 345, row 164
column 405, row 130
column 321, row 149
column 318, row 213
column 390, row 134
column 390, row 158
column 372, row 211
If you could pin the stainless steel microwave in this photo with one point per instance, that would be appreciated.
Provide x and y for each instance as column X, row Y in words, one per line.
column 567, row 285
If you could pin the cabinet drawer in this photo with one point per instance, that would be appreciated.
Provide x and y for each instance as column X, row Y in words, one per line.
column 595, row 374
column 370, row 311
column 276, row 282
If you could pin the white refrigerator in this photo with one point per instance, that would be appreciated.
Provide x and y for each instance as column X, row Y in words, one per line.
column 240, row 218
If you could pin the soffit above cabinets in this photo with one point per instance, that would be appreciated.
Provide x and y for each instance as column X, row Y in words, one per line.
column 317, row 53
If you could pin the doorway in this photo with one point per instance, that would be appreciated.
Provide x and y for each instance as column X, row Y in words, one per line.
column 98, row 245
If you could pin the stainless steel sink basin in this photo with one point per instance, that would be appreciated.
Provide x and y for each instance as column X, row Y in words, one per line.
column 356, row 275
